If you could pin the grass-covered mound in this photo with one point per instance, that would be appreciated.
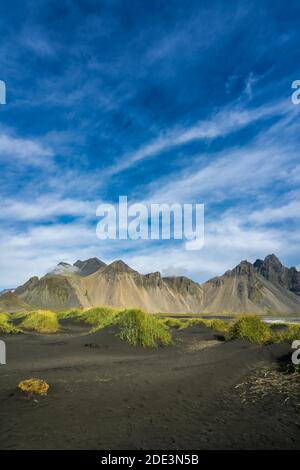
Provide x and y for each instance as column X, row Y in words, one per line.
column 290, row 334
column 72, row 313
column 218, row 325
column 135, row 326
column 182, row 323
column 177, row 323
column 6, row 326
column 18, row 315
column 41, row 321
column 139, row 328
column 249, row 327
column 98, row 317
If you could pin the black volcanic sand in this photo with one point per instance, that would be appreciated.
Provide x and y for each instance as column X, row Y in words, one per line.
column 105, row 394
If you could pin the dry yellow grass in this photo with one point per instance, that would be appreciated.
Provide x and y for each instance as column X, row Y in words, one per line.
column 41, row 321
column 34, row 386
column 6, row 326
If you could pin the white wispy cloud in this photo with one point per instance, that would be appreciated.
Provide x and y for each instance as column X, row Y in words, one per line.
column 227, row 241
column 242, row 171
column 14, row 149
column 249, row 84
column 227, row 176
column 222, row 123
column 277, row 214
column 217, row 256
column 45, row 208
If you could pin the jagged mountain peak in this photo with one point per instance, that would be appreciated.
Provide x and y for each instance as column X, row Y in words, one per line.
column 271, row 260
column 79, row 263
column 244, row 265
column 89, row 266
column 271, row 268
column 63, row 268
column 118, row 266
column 81, row 268
column 243, row 268
column 274, row 271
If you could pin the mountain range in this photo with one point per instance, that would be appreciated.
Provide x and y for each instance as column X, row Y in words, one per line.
column 263, row 287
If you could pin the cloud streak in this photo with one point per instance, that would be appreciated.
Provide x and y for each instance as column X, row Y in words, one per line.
column 220, row 124
column 28, row 152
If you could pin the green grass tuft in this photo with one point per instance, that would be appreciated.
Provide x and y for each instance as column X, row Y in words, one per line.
column 18, row 315
column 182, row 323
column 218, row 325
column 98, row 317
column 139, row 328
column 41, row 321
column 73, row 313
column 177, row 323
column 249, row 327
column 6, row 327
column 195, row 322
column 296, row 368
column 291, row 333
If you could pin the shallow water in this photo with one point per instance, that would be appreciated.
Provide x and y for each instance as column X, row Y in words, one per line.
column 281, row 320
column 266, row 319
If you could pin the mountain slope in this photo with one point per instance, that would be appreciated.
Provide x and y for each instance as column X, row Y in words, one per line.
column 10, row 302
column 273, row 270
column 259, row 288
column 118, row 285
column 243, row 289
column 51, row 291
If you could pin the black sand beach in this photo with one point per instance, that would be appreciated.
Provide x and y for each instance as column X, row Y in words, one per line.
column 201, row 393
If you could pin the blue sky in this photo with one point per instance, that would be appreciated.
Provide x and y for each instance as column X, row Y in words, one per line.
column 165, row 101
